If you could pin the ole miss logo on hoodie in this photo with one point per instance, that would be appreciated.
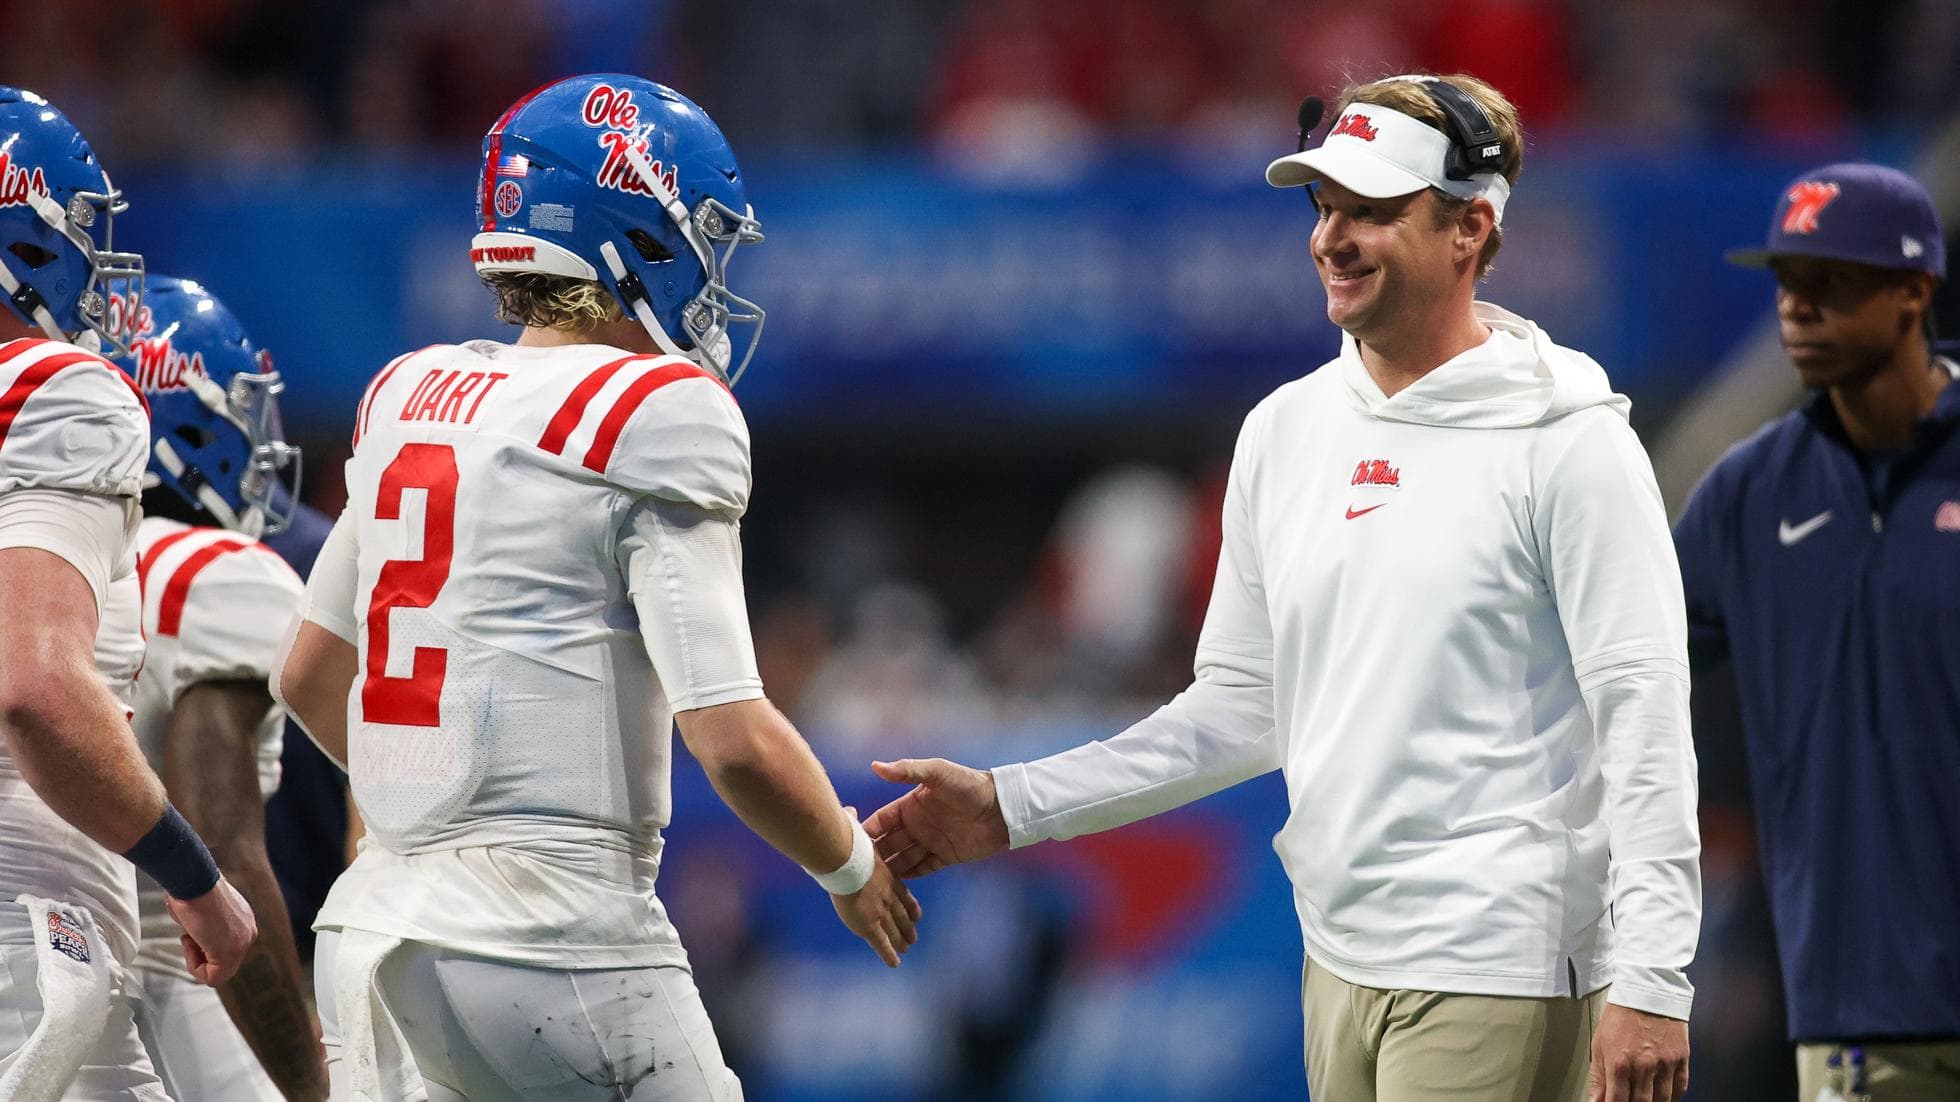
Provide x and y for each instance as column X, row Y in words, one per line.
column 1376, row 472
column 1373, row 472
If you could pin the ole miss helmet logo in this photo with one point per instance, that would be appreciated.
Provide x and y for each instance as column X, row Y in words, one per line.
column 18, row 184
column 1355, row 126
column 611, row 107
column 621, row 174
column 1807, row 201
column 613, row 111
column 161, row 368
column 129, row 325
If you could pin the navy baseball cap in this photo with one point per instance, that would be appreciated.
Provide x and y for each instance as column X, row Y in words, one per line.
column 1864, row 213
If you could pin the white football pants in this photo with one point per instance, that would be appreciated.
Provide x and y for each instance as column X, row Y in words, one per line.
column 116, row 1069
column 193, row 1044
column 484, row 1030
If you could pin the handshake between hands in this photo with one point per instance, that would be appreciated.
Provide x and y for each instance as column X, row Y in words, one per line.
column 951, row 815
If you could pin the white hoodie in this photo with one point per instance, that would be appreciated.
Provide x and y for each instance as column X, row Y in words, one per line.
column 1454, row 619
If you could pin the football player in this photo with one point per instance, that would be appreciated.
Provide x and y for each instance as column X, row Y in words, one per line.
column 215, row 606
column 74, row 789
column 537, row 574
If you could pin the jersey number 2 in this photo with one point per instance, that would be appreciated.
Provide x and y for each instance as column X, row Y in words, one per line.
column 415, row 700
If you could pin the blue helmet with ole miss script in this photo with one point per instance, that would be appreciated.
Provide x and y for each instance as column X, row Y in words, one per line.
column 216, row 438
column 626, row 182
column 54, row 196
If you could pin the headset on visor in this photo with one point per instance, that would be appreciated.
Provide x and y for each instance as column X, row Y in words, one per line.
column 1474, row 146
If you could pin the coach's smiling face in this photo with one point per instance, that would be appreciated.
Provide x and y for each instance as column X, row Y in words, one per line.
column 1379, row 260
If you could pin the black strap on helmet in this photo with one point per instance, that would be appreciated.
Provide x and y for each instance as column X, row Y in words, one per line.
column 28, row 301
column 1474, row 145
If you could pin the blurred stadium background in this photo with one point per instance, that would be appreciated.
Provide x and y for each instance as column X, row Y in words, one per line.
column 1024, row 279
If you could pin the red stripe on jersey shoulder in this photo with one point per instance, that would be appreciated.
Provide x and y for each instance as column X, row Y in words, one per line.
column 31, row 380
column 15, row 348
column 622, row 411
column 149, row 558
column 381, row 378
column 176, row 591
column 573, row 411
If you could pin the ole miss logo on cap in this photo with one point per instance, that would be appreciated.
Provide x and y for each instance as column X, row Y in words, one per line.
column 1807, row 201
column 1356, row 126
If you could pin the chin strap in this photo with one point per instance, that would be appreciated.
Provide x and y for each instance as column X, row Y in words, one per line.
column 29, row 303
column 250, row 522
column 635, row 294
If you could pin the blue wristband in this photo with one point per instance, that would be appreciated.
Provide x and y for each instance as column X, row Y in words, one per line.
column 174, row 856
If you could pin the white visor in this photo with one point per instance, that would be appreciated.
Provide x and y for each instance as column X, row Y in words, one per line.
column 501, row 251
column 1379, row 153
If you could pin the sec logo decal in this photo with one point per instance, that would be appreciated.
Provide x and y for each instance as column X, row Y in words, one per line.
column 510, row 198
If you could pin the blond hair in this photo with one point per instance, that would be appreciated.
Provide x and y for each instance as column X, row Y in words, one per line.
column 1412, row 98
column 551, row 301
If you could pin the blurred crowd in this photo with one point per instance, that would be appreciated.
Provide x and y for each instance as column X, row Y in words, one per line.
column 1091, row 624
column 994, row 83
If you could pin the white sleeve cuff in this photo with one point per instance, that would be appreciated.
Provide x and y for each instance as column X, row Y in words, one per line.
column 1011, row 789
column 1663, row 991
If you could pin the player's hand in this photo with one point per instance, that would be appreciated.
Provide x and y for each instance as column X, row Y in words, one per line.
column 951, row 815
column 1638, row 1057
column 883, row 913
column 218, row 931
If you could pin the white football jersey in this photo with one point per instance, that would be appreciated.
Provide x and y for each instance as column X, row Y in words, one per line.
column 509, row 737
column 70, row 421
column 216, row 605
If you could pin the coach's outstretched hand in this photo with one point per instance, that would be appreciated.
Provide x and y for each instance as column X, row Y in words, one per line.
column 951, row 815
column 883, row 913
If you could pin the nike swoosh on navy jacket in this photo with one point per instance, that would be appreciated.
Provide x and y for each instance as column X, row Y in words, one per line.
column 1846, row 651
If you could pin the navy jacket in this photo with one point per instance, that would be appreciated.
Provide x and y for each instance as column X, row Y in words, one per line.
column 1835, row 590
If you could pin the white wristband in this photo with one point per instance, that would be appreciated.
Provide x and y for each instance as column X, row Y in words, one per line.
column 856, row 871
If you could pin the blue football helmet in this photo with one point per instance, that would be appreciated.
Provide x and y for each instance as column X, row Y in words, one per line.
column 215, row 434
column 620, row 180
column 53, row 195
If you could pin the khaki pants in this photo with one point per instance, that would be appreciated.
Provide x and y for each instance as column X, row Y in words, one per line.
column 1365, row 1044
column 1927, row 1071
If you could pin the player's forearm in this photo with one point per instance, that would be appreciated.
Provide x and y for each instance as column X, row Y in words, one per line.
column 75, row 749
column 766, row 774
column 266, row 999
column 312, row 677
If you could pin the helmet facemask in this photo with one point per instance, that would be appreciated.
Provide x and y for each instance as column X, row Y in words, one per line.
column 708, row 318
column 52, row 274
column 107, row 268
column 268, row 487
